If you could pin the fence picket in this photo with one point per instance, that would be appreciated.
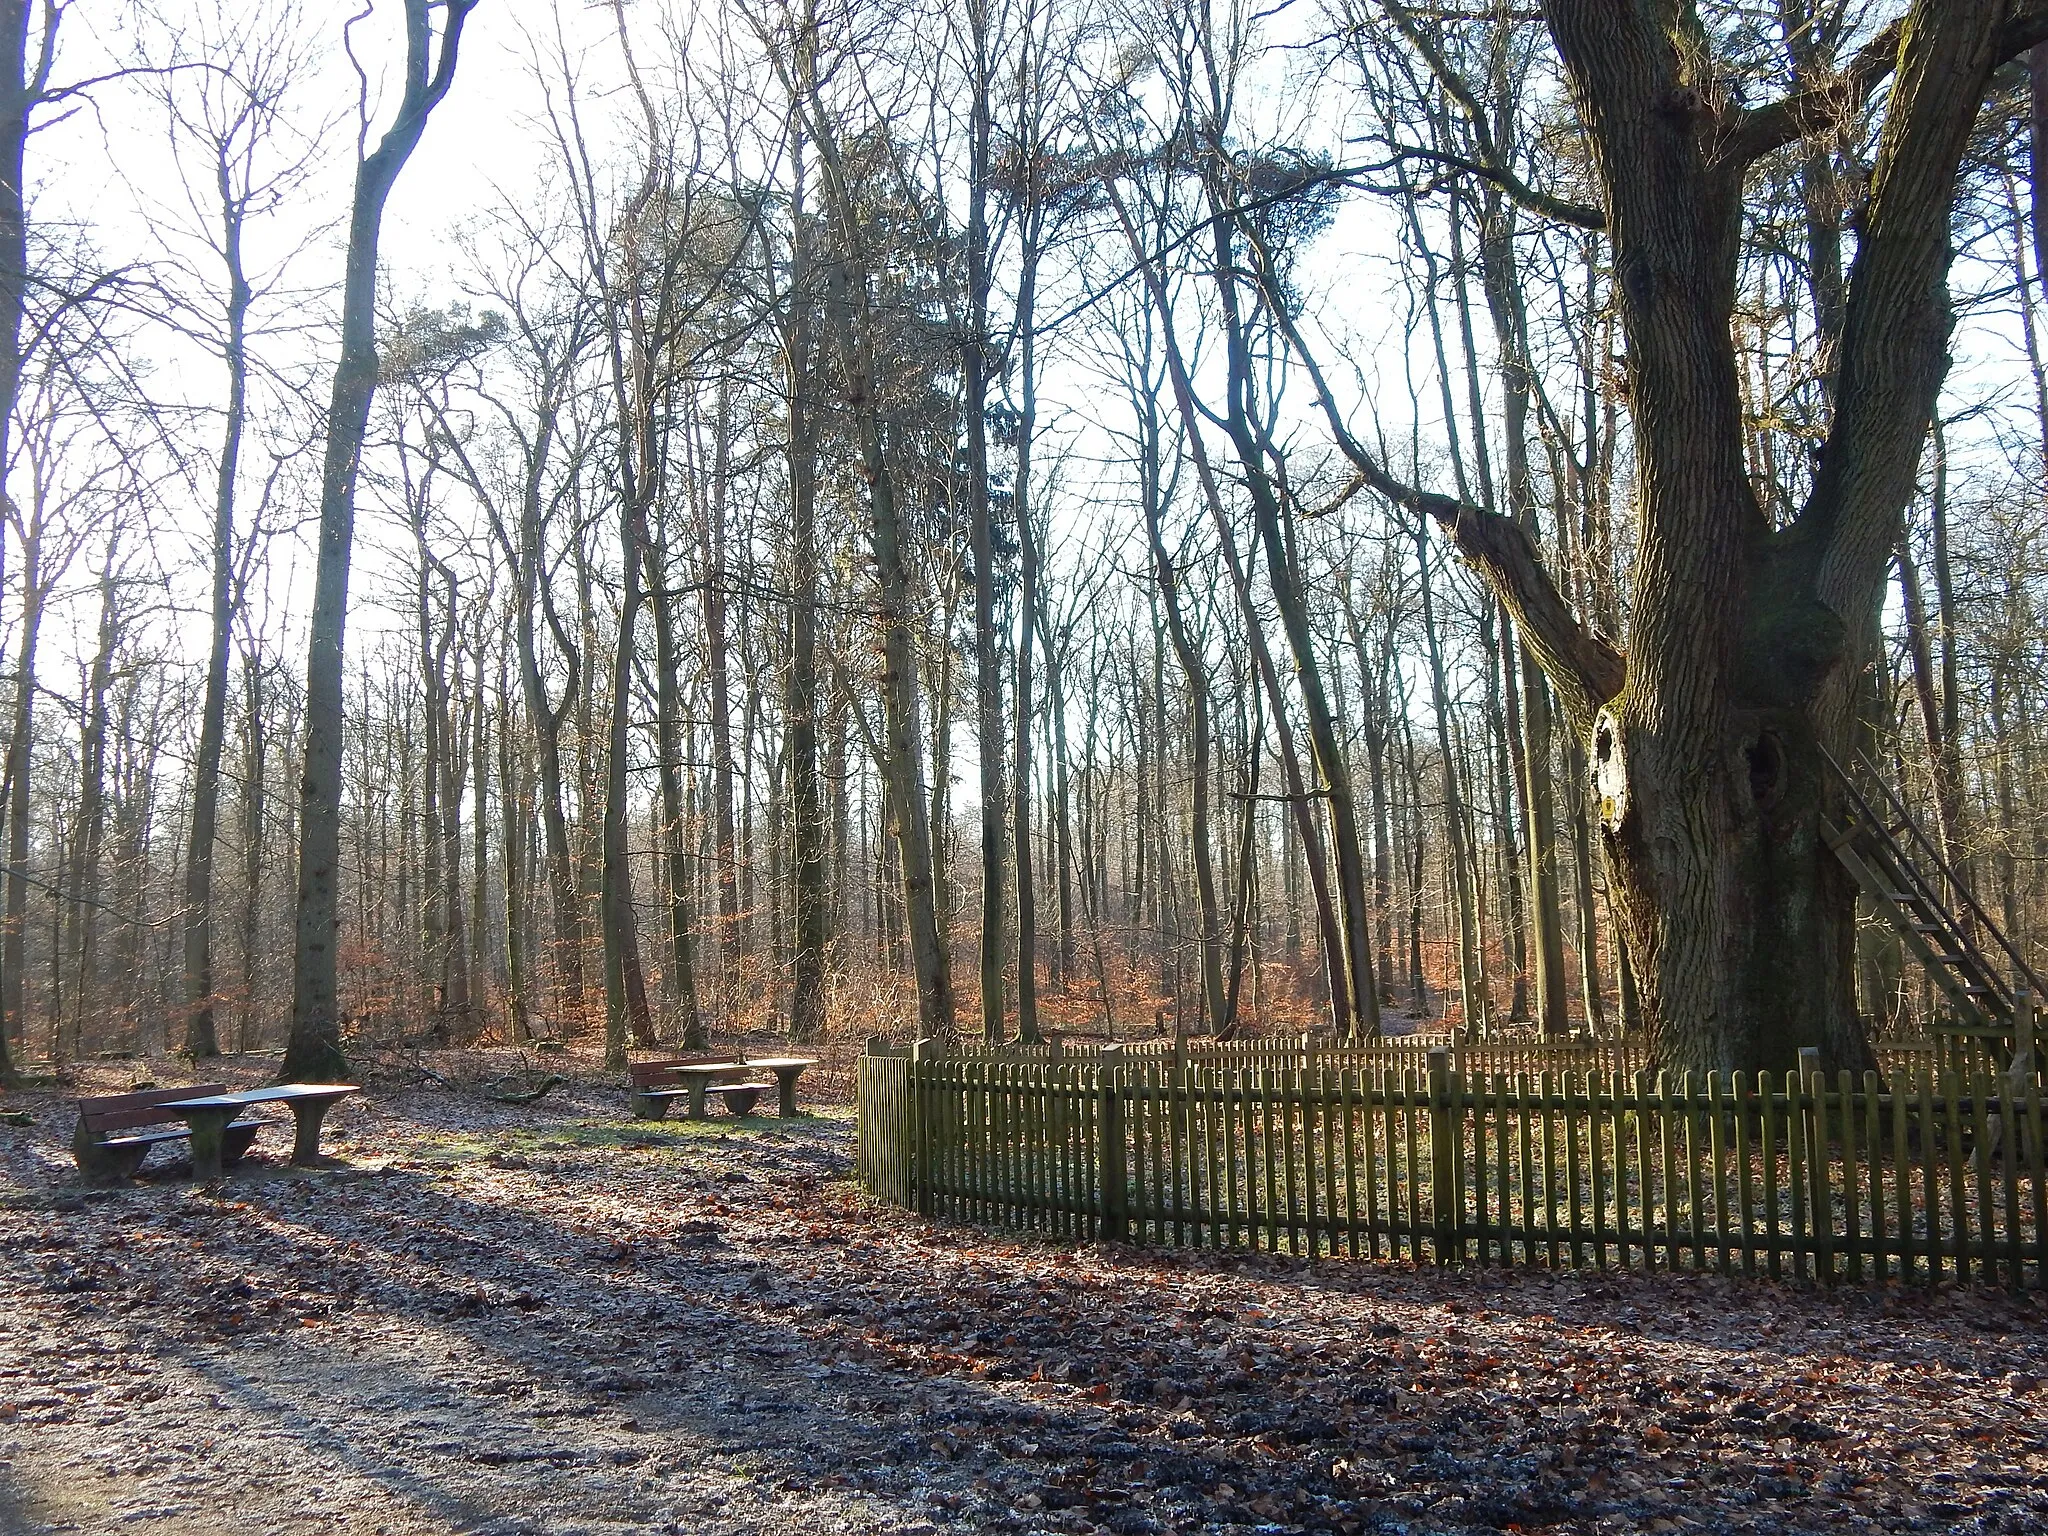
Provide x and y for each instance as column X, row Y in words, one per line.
column 1526, row 1170
column 1798, row 1126
column 1292, row 1106
column 1575, row 1214
column 1902, row 1178
column 1820, row 1205
column 1873, row 1154
column 1667, row 1171
column 1347, row 1087
column 1597, row 1121
column 2010, row 1132
column 1332, row 1185
column 1852, row 1195
column 1548, row 1141
column 2037, row 1174
column 1930, row 1181
column 1982, row 1087
column 1414, row 1097
column 1958, row 1203
column 1373, row 1160
column 1767, row 1138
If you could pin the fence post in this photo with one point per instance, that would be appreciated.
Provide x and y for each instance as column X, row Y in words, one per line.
column 920, row 1151
column 1820, row 1216
column 1443, row 1195
column 1116, row 1218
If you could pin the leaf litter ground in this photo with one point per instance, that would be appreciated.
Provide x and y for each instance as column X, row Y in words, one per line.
column 553, row 1319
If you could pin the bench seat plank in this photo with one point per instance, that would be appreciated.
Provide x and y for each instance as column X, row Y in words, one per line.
column 147, row 1138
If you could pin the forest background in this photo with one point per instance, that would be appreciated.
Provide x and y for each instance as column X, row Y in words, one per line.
column 674, row 298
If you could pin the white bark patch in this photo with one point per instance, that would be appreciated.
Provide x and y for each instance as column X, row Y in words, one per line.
column 1610, row 771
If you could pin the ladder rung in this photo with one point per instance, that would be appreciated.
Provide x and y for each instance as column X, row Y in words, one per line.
column 1905, row 899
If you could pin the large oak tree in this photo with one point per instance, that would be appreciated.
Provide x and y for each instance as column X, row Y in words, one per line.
column 1748, row 639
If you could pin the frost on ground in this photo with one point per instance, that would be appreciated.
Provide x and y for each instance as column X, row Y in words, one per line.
column 552, row 1319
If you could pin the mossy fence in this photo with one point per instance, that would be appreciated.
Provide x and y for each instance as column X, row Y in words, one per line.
column 1936, row 1175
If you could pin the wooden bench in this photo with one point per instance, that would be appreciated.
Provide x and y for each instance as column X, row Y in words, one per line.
column 651, row 1085
column 110, row 1143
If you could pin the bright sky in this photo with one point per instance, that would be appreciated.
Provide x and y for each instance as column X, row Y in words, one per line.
column 108, row 167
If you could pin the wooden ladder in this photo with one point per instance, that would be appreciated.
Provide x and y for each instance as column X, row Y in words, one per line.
column 1888, row 853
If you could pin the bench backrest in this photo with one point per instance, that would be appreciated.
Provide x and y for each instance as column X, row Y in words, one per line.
column 645, row 1074
column 125, row 1111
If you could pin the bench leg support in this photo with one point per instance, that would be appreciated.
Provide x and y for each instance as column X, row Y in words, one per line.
column 307, row 1114
column 102, row 1164
column 235, row 1140
column 648, row 1107
column 208, row 1133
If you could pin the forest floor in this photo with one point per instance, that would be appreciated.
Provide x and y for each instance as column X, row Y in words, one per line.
column 553, row 1319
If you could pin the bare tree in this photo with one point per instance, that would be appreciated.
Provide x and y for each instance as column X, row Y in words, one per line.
column 315, row 1051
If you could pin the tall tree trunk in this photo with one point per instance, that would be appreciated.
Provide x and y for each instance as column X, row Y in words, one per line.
column 975, row 353
column 515, row 796
column 480, row 968
column 255, row 771
column 1504, row 747
column 24, row 77
column 1027, row 625
column 89, row 837
column 1373, row 726
column 810, row 905
column 314, row 1051
column 718, row 666
column 1502, row 283
column 1297, row 789
column 1062, row 798
column 18, row 787
column 565, row 897
column 201, row 1038
column 674, row 841
column 853, row 324
column 1194, row 673
column 626, row 1015
column 1472, row 988
column 1347, row 940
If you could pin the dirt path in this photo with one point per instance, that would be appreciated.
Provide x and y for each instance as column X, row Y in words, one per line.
column 554, row 1320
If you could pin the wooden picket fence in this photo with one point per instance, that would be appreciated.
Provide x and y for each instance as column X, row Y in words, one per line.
column 1615, row 1058
column 1934, row 1176
column 1309, row 1052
